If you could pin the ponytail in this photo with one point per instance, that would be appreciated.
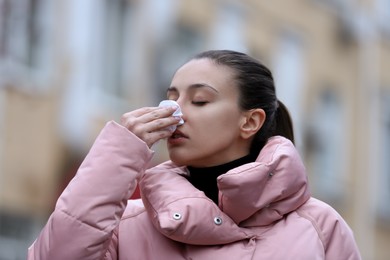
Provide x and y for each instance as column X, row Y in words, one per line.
column 283, row 122
column 279, row 123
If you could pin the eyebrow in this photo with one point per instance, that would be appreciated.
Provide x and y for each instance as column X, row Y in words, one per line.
column 193, row 86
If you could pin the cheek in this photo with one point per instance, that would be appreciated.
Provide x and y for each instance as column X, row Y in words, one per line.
column 217, row 122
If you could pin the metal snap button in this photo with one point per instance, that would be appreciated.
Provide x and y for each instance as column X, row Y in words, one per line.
column 270, row 174
column 217, row 220
column 177, row 216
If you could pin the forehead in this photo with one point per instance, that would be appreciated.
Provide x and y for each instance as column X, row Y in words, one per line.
column 203, row 71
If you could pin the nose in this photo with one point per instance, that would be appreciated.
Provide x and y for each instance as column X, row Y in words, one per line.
column 182, row 108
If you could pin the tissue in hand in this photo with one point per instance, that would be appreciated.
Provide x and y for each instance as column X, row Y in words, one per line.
column 168, row 103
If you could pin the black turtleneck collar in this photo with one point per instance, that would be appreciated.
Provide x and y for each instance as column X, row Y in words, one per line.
column 205, row 179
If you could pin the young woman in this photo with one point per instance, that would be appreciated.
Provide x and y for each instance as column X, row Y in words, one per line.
column 235, row 187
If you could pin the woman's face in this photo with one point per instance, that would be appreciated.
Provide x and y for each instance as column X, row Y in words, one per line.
column 208, row 97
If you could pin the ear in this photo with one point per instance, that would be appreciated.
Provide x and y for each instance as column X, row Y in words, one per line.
column 251, row 122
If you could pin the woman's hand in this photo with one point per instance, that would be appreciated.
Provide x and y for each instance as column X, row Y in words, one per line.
column 150, row 123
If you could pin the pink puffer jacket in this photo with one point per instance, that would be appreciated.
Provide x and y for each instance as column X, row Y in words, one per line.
column 265, row 210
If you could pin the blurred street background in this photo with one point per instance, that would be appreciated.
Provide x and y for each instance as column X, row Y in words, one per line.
column 69, row 66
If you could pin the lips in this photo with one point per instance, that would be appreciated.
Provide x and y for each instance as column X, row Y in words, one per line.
column 177, row 139
column 178, row 134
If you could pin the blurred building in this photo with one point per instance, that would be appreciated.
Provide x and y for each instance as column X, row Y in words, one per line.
column 69, row 66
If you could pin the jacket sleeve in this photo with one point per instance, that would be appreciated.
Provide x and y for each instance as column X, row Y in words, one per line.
column 336, row 236
column 88, row 211
column 340, row 243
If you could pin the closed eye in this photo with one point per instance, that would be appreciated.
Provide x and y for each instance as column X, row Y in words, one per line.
column 199, row 103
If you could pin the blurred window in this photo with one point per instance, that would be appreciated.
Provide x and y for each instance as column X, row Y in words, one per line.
column 326, row 148
column 16, row 234
column 288, row 70
column 99, row 44
column 383, row 13
column 183, row 43
column 229, row 27
column 335, row 4
column 24, row 44
column 112, row 47
column 383, row 205
column 21, row 32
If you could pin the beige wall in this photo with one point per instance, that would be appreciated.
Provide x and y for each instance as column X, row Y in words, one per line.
column 33, row 152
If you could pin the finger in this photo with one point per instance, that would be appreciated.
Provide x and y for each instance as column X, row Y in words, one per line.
column 146, row 114
column 141, row 111
column 129, row 118
column 152, row 138
column 152, row 119
column 159, row 124
column 134, row 117
column 155, row 114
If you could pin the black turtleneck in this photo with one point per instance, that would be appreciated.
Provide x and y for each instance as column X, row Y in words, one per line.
column 205, row 179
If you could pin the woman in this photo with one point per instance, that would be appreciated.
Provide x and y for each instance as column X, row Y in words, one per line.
column 235, row 187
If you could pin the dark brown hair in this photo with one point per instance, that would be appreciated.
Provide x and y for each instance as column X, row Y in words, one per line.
column 257, row 90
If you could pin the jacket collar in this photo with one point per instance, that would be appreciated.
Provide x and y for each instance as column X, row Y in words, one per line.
column 266, row 190
column 254, row 194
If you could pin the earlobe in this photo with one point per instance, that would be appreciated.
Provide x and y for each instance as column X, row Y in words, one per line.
column 252, row 122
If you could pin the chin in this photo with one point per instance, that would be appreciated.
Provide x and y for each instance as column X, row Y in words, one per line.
column 185, row 157
column 177, row 158
column 178, row 161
